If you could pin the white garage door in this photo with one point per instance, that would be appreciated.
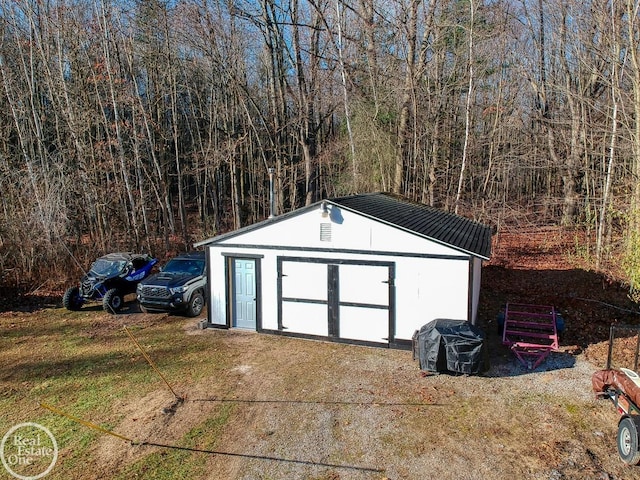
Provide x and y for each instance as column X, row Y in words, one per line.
column 304, row 298
column 346, row 300
column 364, row 303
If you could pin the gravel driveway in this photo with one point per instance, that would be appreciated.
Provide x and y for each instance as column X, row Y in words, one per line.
column 318, row 410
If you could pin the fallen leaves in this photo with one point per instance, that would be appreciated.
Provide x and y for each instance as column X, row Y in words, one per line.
column 538, row 267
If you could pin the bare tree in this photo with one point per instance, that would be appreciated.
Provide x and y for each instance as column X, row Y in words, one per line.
column 467, row 109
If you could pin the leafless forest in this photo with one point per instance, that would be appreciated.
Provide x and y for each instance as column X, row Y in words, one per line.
column 150, row 124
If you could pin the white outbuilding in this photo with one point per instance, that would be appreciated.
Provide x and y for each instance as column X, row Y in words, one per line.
column 368, row 269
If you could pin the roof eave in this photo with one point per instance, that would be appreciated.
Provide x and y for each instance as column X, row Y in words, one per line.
column 254, row 226
column 293, row 213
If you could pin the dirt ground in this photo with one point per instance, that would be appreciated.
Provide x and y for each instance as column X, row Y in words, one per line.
column 302, row 409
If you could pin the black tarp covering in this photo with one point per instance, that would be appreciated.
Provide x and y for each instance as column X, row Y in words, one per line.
column 456, row 346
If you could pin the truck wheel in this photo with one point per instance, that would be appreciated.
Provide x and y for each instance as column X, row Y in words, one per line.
column 628, row 440
column 112, row 301
column 196, row 304
column 71, row 299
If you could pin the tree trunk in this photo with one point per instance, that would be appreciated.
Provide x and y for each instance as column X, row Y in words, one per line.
column 467, row 109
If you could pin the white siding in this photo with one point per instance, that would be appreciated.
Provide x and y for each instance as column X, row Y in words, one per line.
column 429, row 288
column 425, row 288
column 354, row 232
column 216, row 283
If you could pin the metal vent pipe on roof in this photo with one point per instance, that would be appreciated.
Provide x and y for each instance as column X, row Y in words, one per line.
column 272, row 196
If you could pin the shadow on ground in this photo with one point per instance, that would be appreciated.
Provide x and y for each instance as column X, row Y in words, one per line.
column 589, row 302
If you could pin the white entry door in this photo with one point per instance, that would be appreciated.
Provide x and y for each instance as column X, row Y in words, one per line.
column 244, row 291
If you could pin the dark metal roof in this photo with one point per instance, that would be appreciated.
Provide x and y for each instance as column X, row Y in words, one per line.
column 440, row 226
column 428, row 222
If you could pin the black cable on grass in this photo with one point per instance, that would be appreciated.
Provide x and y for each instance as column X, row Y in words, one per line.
column 179, row 399
column 201, row 450
column 264, row 457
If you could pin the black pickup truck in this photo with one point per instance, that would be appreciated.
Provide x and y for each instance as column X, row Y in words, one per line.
column 178, row 287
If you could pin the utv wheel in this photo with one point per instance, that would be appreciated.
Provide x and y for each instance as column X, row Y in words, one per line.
column 71, row 299
column 196, row 304
column 112, row 301
column 628, row 440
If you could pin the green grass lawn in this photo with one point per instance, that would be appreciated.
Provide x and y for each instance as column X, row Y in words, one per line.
column 85, row 365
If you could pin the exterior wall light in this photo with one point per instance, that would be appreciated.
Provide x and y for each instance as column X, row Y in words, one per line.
column 324, row 210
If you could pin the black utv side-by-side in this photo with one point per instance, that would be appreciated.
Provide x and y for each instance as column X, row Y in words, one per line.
column 109, row 279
